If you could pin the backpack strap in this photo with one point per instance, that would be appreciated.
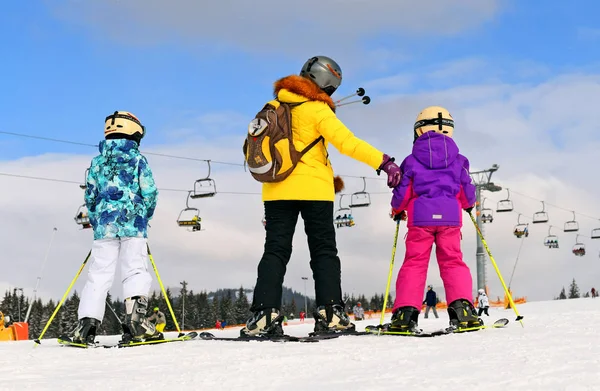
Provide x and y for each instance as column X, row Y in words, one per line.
column 309, row 146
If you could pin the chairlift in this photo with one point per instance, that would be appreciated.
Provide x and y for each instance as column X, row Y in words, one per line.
column 83, row 217
column 190, row 217
column 542, row 216
column 83, row 186
column 579, row 248
column 521, row 229
column 360, row 199
column 343, row 216
column 205, row 187
column 595, row 233
column 551, row 241
column 572, row 226
column 505, row 205
column 487, row 215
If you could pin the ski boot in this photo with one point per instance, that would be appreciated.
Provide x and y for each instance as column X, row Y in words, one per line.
column 405, row 320
column 85, row 332
column 332, row 319
column 463, row 316
column 264, row 323
column 137, row 327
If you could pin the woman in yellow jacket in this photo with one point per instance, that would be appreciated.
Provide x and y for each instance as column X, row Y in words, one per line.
column 309, row 191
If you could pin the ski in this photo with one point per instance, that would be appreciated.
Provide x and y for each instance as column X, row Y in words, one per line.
column 187, row 337
column 383, row 330
column 284, row 338
column 66, row 341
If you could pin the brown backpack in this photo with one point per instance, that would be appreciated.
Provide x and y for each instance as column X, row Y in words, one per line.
column 269, row 146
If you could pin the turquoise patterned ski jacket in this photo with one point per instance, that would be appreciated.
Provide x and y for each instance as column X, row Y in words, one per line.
column 120, row 194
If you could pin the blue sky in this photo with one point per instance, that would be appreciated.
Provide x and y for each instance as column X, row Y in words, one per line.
column 60, row 79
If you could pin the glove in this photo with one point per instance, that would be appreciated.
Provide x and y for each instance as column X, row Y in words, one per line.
column 397, row 216
column 391, row 169
column 469, row 210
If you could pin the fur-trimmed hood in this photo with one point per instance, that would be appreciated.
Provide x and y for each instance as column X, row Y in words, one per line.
column 304, row 87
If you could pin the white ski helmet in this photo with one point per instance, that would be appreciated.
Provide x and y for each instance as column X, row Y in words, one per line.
column 123, row 124
column 436, row 119
column 481, row 291
column 323, row 71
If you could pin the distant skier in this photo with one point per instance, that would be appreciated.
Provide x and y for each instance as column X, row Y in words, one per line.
column 594, row 294
column 120, row 197
column 218, row 325
column 435, row 186
column 159, row 319
column 359, row 312
column 302, row 316
column 483, row 303
column 431, row 301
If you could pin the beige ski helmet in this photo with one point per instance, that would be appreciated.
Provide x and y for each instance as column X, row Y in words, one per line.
column 434, row 118
column 123, row 124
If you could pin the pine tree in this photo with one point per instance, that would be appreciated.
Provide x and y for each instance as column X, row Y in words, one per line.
column 170, row 323
column 205, row 320
column 574, row 290
column 215, row 311
column 242, row 307
column 562, row 295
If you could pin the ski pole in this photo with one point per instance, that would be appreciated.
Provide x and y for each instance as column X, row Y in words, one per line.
column 365, row 100
column 359, row 92
column 162, row 288
column 389, row 280
column 60, row 303
column 510, row 299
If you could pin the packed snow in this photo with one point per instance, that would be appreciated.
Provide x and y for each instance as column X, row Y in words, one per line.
column 558, row 349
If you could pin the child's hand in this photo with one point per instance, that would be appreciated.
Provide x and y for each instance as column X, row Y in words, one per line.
column 397, row 216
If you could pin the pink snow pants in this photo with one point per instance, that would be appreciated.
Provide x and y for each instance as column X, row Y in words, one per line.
column 412, row 276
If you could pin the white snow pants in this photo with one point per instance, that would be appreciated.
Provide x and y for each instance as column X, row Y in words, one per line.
column 136, row 279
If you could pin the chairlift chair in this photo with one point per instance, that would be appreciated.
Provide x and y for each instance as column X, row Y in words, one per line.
column 360, row 199
column 521, row 229
column 579, row 248
column 572, row 226
column 339, row 219
column 83, row 186
column 505, row 205
column 487, row 215
column 83, row 217
column 595, row 233
column 542, row 216
column 551, row 241
column 189, row 217
column 205, row 187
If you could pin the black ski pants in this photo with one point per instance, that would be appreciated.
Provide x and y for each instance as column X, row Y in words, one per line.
column 281, row 217
column 482, row 310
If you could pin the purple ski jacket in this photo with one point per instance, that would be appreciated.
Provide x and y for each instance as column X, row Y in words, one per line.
column 435, row 184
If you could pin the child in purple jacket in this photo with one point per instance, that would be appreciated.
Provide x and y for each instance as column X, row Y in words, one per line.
column 435, row 187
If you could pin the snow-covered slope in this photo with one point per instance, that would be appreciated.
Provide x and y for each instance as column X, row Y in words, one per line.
column 559, row 349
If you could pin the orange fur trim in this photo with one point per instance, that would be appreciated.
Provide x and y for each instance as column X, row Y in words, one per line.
column 338, row 184
column 303, row 87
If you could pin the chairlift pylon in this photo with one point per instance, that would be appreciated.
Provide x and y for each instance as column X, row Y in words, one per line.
column 360, row 199
column 579, row 248
column 345, row 220
column 190, row 217
column 551, row 241
column 521, row 229
column 82, row 217
column 204, row 187
column 487, row 215
column 572, row 226
column 541, row 216
column 505, row 205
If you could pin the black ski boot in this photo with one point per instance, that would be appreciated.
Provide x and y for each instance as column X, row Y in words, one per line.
column 463, row 316
column 264, row 323
column 405, row 319
column 85, row 332
column 137, row 327
column 330, row 319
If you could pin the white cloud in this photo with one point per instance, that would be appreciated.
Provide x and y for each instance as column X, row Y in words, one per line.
column 496, row 123
column 269, row 25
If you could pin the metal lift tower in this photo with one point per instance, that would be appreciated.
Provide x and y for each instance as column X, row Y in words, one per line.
column 482, row 181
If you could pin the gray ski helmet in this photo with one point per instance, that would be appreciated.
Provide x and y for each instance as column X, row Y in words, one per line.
column 323, row 71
